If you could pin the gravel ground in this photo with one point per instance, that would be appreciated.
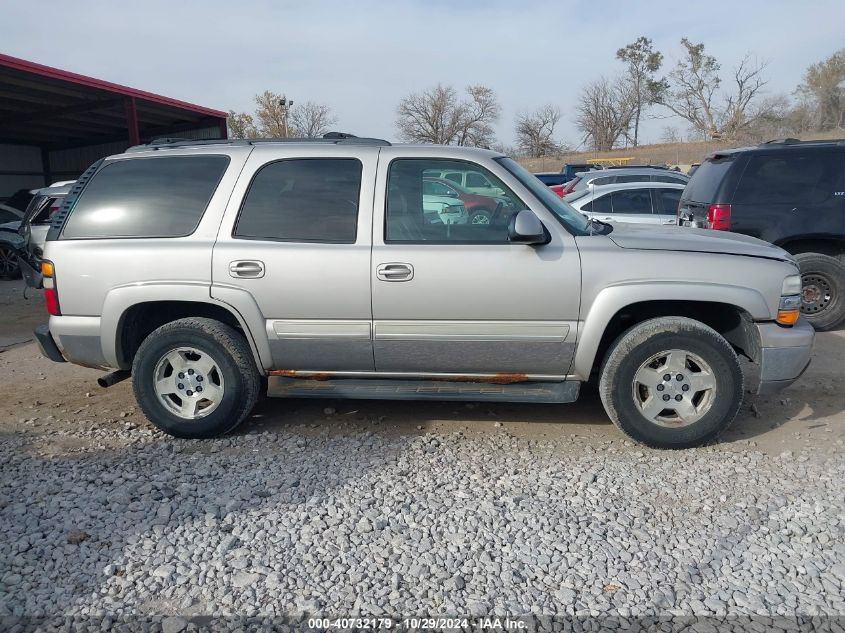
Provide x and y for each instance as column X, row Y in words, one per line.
column 339, row 508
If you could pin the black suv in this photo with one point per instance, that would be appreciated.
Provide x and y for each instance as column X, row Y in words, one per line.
column 790, row 193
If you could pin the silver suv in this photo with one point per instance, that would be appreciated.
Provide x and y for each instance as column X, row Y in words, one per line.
column 213, row 271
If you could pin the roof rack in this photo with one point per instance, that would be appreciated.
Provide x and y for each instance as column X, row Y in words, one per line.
column 795, row 141
column 330, row 138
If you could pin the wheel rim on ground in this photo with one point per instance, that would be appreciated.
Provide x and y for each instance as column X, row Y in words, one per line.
column 816, row 293
column 674, row 388
column 188, row 382
column 8, row 261
column 480, row 218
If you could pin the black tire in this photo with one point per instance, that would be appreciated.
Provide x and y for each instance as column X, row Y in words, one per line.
column 823, row 281
column 9, row 266
column 635, row 347
column 480, row 216
column 238, row 376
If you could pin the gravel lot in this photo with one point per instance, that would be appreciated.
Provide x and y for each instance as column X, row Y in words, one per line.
column 341, row 508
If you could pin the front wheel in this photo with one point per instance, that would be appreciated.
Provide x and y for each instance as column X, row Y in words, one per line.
column 480, row 216
column 671, row 382
column 822, row 288
column 195, row 378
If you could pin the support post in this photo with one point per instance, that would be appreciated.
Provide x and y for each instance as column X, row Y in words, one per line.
column 45, row 167
column 132, row 121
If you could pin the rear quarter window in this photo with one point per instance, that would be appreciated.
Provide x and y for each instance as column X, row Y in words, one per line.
column 146, row 197
column 784, row 178
column 704, row 184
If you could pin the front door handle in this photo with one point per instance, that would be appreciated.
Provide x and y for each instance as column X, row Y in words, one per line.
column 395, row 271
column 246, row 269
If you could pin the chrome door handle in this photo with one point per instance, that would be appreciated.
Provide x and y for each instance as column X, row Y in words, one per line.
column 246, row 269
column 395, row 271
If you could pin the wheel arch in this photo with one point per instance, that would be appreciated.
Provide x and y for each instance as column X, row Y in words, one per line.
column 833, row 246
column 131, row 313
column 729, row 310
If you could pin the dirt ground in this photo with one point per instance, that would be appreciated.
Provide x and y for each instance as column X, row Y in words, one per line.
column 60, row 407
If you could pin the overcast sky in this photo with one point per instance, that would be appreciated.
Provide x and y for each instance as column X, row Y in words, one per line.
column 362, row 56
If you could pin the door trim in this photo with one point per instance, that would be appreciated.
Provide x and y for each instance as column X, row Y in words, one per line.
column 534, row 331
column 324, row 329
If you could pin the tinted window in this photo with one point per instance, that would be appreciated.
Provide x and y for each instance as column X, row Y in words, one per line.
column 606, row 180
column 303, row 200
column 413, row 215
column 632, row 201
column 786, row 178
column 477, row 180
column 703, row 186
column 434, row 188
column 633, row 178
column 666, row 200
column 146, row 197
column 602, row 204
column 453, row 177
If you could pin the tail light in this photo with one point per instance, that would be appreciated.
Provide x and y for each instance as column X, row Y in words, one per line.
column 51, row 295
column 558, row 189
column 719, row 217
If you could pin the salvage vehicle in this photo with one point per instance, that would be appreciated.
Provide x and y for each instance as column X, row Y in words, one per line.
column 638, row 202
column 213, row 271
column 787, row 192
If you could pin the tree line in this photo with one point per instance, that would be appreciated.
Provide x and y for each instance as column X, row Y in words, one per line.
column 713, row 104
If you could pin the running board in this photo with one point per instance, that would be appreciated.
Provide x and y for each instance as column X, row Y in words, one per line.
column 388, row 389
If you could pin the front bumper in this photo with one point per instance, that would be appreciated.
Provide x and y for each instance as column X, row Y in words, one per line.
column 784, row 355
column 47, row 344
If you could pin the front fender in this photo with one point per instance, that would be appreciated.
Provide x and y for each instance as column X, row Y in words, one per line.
column 616, row 297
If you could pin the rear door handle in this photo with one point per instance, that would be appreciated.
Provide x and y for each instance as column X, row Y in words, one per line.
column 395, row 271
column 246, row 269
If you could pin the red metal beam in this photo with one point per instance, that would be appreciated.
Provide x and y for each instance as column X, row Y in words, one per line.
column 7, row 61
column 132, row 121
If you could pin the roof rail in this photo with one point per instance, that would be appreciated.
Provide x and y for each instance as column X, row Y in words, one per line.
column 781, row 141
column 330, row 138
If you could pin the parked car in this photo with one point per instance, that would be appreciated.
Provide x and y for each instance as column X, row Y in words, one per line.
column 551, row 178
column 19, row 200
column 789, row 193
column 33, row 229
column 638, row 202
column 10, row 214
column 204, row 268
column 620, row 175
column 480, row 209
column 10, row 245
column 569, row 170
column 471, row 181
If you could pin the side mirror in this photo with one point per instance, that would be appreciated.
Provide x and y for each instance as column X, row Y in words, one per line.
column 525, row 228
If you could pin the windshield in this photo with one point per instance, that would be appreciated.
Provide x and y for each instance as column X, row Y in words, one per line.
column 569, row 216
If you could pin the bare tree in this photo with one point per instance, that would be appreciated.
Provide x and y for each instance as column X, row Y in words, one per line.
column 605, row 110
column 692, row 91
column 241, row 125
column 271, row 115
column 671, row 134
column 823, row 90
column 642, row 62
column 311, row 120
column 535, row 132
column 438, row 116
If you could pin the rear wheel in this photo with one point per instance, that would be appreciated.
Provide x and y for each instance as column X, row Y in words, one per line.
column 671, row 382
column 480, row 216
column 823, row 286
column 9, row 266
column 195, row 378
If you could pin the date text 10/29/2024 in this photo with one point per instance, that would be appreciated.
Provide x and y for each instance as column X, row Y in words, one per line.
column 420, row 623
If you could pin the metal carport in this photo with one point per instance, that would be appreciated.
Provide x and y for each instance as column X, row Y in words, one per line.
column 54, row 123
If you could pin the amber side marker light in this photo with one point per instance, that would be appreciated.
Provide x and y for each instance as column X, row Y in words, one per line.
column 51, row 296
column 789, row 310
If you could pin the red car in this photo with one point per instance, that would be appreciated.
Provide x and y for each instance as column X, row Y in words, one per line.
column 479, row 208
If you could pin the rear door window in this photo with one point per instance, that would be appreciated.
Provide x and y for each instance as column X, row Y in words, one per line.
column 632, row 201
column 146, row 197
column 303, row 200
column 785, row 178
column 602, row 204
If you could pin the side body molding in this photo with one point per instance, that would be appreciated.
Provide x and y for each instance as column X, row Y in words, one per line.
column 616, row 297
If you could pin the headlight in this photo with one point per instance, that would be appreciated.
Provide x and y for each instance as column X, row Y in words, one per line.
column 789, row 308
column 791, row 285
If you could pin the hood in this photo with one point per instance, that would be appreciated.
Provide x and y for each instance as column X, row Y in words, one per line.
column 679, row 238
